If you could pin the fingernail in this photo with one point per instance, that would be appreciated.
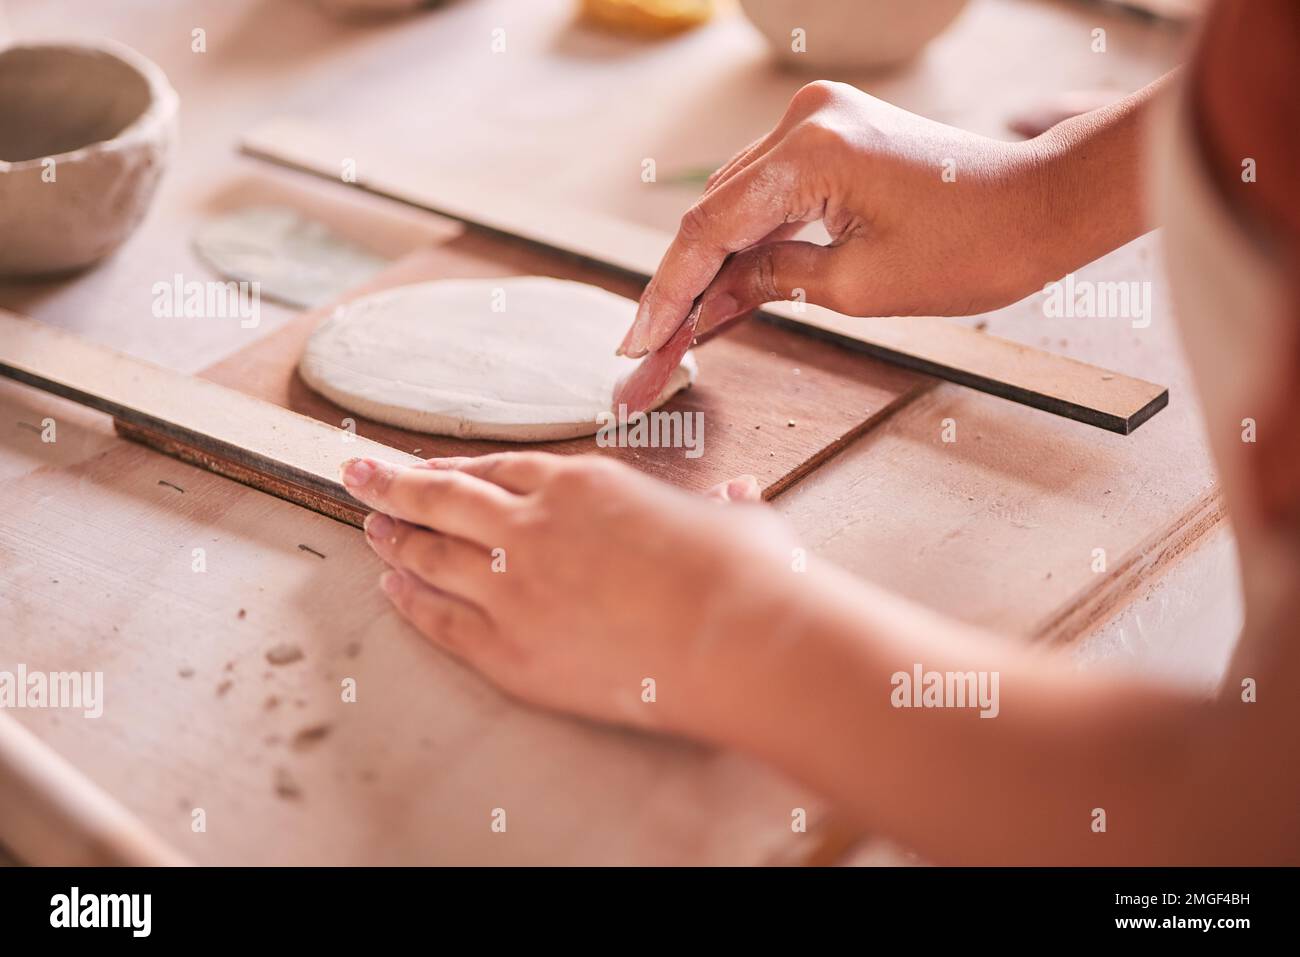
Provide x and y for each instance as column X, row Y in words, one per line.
column 636, row 346
column 637, row 342
column 357, row 472
column 381, row 528
column 627, row 341
column 392, row 583
column 742, row 487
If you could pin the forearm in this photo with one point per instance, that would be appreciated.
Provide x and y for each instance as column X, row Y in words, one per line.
column 812, row 693
column 1091, row 191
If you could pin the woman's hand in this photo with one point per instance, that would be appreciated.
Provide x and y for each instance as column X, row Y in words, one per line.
column 569, row 581
column 924, row 219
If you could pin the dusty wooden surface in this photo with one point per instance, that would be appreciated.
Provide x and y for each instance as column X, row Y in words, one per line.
column 95, row 556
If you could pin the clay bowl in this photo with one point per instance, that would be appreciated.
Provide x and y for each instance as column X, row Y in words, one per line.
column 85, row 129
column 850, row 34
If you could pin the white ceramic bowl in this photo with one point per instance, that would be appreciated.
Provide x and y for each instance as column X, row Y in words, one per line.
column 85, row 130
column 850, row 34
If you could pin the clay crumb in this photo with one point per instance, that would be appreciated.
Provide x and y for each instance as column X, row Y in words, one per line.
column 982, row 325
column 271, row 703
column 285, row 786
column 242, row 614
column 790, row 423
column 308, row 548
column 171, row 485
column 352, row 649
column 310, row 737
column 224, row 687
column 284, row 654
column 186, row 672
column 230, row 666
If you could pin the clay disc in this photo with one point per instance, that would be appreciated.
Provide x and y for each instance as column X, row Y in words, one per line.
column 519, row 359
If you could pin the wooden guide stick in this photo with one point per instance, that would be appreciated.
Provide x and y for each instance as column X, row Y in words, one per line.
column 260, row 444
column 928, row 344
column 53, row 815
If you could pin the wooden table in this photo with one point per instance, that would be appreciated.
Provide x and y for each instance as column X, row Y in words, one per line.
column 95, row 554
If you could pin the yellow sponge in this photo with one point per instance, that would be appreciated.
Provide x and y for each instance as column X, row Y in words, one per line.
column 647, row 17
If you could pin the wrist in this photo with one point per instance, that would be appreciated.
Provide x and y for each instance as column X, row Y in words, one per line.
column 1028, row 192
column 749, row 687
column 1082, row 187
column 730, row 661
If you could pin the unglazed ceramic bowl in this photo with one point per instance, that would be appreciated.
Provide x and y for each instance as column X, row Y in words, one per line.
column 85, row 131
column 849, row 34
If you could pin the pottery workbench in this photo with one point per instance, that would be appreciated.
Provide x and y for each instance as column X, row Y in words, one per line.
column 97, row 534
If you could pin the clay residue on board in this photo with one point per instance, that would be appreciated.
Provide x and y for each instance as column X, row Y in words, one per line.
column 285, row 784
column 310, row 736
column 296, row 260
column 284, row 653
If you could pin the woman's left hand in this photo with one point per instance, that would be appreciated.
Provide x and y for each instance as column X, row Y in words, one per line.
column 571, row 581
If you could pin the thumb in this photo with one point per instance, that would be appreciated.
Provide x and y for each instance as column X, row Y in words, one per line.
column 767, row 273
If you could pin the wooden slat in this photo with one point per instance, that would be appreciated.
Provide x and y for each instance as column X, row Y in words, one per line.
column 260, row 444
column 1000, row 367
column 946, row 350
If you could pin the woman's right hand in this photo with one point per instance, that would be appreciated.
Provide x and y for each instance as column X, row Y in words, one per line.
column 924, row 219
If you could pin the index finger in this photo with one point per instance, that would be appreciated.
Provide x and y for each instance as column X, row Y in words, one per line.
column 736, row 215
column 520, row 472
column 445, row 500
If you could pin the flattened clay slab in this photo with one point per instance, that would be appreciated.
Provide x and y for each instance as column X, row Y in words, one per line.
column 519, row 359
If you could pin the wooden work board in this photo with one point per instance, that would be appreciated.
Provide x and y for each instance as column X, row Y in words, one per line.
column 806, row 397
